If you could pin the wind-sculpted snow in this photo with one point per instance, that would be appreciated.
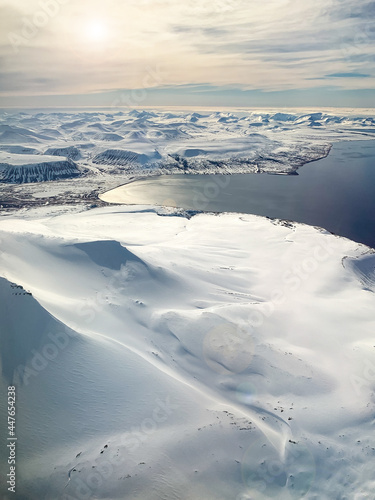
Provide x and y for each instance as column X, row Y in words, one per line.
column 131, row 143
column 365, row 270
column 20, row 312
column 212, row 357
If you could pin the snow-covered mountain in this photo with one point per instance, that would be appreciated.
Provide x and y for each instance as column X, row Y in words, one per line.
column 164, row 354
column 122, row 157
column 71, row 152
column 150, row 142
column 25, row 168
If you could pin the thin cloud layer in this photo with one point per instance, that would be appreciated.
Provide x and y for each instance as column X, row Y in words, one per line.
column 66, row 47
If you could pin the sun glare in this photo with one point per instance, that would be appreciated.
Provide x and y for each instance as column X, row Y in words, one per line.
column 96, row 31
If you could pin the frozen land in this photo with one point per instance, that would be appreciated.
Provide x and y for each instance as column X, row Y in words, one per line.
column 106, row 149
column 160, row 354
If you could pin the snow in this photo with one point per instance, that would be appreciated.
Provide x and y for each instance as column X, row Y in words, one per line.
column 164, row 354
column 24, row 168
column 20, row 150
column 212, row 356
column 108, row 148
column 68, row 152
column 27, row 159
column 123, row 157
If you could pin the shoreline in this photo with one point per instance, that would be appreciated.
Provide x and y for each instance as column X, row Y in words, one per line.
column 306, row 200
column 171, row 173
column 93, row 186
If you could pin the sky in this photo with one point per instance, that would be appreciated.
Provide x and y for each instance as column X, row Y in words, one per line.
column 193, row 52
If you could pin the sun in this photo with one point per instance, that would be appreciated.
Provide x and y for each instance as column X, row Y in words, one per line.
column 96, row 31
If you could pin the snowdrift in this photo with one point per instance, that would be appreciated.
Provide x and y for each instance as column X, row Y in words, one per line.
column 206, row 357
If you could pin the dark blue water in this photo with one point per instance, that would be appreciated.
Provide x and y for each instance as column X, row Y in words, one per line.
column 336, row 193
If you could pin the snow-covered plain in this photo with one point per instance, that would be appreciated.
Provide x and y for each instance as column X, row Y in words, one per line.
column 161, row 356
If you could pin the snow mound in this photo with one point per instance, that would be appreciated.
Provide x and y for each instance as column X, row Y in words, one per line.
column 69, row 152
column 214, row 356
column 13, row 135
column 98, row 126
column 142, row 114
column 283, row 117
column 74, row 125
column 120, row 157
column 108, row 137
column 137, row 135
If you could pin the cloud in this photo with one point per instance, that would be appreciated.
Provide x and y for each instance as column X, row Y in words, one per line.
column 347, row 75
column 248, row 44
